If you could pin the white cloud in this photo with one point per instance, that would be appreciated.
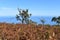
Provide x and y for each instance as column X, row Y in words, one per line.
column 4, row 11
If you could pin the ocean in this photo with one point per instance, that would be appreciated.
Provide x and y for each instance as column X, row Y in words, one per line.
column 37, row 19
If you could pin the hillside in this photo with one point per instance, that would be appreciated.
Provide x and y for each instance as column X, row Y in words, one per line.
column 28, row 32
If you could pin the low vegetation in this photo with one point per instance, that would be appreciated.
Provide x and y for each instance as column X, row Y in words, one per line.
column 28, row 32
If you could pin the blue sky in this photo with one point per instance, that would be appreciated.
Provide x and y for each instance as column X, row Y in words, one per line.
column 36, row 7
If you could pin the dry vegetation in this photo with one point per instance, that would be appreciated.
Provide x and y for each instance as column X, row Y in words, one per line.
column 28, row 32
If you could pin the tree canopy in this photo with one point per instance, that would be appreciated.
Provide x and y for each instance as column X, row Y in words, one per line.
column 56, row 19
column 23, row 16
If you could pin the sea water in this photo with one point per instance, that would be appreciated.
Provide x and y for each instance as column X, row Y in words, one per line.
column 37, row 19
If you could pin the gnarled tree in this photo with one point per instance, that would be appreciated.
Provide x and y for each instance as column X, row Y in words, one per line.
column 23, row 16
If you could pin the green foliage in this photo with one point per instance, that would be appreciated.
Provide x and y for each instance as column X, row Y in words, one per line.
column 57, row 20
column 23, row 16
column 32, row 22
column 54, row 19
column 47, row 25
column 43, row 21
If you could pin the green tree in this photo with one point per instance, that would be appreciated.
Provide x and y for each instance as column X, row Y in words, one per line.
column 43, row 21
column 57, row 20
column 54, row 19
column 23, row 16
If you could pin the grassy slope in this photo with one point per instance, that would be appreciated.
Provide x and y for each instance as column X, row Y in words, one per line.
column 28, row 32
